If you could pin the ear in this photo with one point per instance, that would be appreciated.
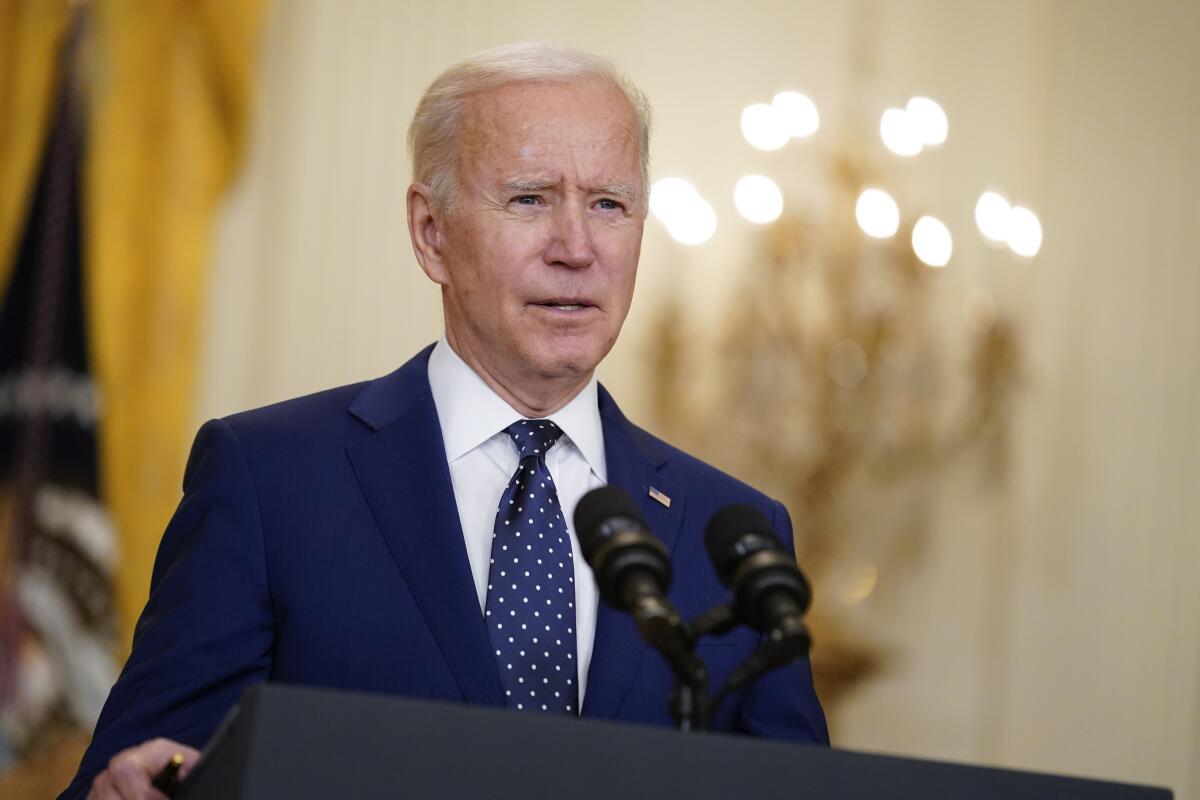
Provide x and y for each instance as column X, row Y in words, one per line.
column 425, row 221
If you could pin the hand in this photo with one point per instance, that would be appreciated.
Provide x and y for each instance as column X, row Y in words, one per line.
column 129, row 773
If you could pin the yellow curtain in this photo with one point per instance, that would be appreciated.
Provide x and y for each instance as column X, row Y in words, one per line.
column 168, row 90
column 170, row 96
column 31, row 34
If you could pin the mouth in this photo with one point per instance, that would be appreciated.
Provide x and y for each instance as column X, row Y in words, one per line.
column 566, row 305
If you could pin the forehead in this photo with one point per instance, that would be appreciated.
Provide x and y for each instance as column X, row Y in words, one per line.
column 534, row 124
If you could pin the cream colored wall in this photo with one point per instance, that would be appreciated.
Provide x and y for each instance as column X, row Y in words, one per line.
column 1056, row 626
column 1104, row 660
column 1059, row 628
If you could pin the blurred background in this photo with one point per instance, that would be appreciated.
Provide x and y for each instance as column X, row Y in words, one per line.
column 933, row 265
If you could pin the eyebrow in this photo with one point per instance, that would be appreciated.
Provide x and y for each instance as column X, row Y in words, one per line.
column 530, row 185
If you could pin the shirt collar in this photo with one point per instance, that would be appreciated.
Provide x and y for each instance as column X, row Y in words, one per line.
column 470, row 413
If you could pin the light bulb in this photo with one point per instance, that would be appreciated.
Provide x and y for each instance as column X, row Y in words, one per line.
column 931, row 241
column 758, row 199
column 797, row 113
column 877, row 214
column 763, row 127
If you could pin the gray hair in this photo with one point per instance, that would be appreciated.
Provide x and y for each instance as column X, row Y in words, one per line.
column 433, row 134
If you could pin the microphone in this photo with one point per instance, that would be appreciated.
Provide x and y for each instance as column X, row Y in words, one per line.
column 631, row 565
column 770, row 593
column 633, row 573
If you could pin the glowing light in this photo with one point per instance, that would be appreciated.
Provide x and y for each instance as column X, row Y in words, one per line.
column 992, row 216
column 797, row 113
column 1024, row 232
column 758, row 199
column 688, row 217
column 697, row 226
column 877, row 214
column 847, row 364
column 929, row 119
column 899, row 133
column 932, row 242
column 763, row 127
column 670, row 194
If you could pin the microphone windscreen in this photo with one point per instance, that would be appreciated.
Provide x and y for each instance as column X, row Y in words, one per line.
column 595, row 508
column 723, row 537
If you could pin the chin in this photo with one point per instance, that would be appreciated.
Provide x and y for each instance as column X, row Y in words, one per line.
column 568, row 358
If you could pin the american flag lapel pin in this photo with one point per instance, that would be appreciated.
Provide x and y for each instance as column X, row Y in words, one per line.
column 660, row 497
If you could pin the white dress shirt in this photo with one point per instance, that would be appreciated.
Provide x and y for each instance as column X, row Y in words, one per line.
column 483, row 459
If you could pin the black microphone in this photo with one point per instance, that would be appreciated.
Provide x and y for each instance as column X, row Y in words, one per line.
column 770, row 592
column 631, row 565
column 633, row 573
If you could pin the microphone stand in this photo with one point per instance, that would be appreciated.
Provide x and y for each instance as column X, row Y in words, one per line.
column 664, row 630
column 788, row 642
column 692, row 706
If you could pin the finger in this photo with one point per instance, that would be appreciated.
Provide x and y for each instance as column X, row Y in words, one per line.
column 155, row 754
column 129, row 778
column 130, row 773
column 102, row 788
column 190, row 756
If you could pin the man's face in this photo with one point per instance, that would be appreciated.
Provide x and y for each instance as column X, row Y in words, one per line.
column 540, row 245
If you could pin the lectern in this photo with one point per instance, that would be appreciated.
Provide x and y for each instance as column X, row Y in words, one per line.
column 308, row 743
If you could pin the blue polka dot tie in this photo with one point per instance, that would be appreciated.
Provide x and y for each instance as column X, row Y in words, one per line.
column 530, row 608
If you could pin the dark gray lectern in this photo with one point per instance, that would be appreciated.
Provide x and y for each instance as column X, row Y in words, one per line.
column 307, row 743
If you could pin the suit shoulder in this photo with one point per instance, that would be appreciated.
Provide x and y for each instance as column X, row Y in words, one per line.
column 297, row 437
column 695, row 472
column 324, row 412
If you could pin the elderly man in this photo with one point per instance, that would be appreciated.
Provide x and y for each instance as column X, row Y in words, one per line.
column 412, row 535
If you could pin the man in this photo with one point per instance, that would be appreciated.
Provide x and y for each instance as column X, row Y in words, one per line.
column 362, row 537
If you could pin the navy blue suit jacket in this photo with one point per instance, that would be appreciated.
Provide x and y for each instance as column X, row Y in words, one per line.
column 318, row 543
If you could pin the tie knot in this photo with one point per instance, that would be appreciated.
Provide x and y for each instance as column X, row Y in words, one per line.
column 533, row 437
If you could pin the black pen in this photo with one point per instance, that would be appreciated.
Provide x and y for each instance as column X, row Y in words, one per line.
column 167, row 779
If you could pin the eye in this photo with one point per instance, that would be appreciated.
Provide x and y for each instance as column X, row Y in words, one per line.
column 608, row 204
column 527, row 199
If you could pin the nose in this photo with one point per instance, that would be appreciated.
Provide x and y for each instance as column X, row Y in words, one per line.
column 570, row 242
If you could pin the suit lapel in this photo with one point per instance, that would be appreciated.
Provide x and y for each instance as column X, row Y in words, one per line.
column 402, row 470
column 633, row 461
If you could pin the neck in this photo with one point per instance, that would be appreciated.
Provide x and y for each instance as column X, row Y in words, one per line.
column 534, row 398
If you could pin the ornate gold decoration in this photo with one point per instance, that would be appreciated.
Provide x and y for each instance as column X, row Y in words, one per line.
column 838, row 389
